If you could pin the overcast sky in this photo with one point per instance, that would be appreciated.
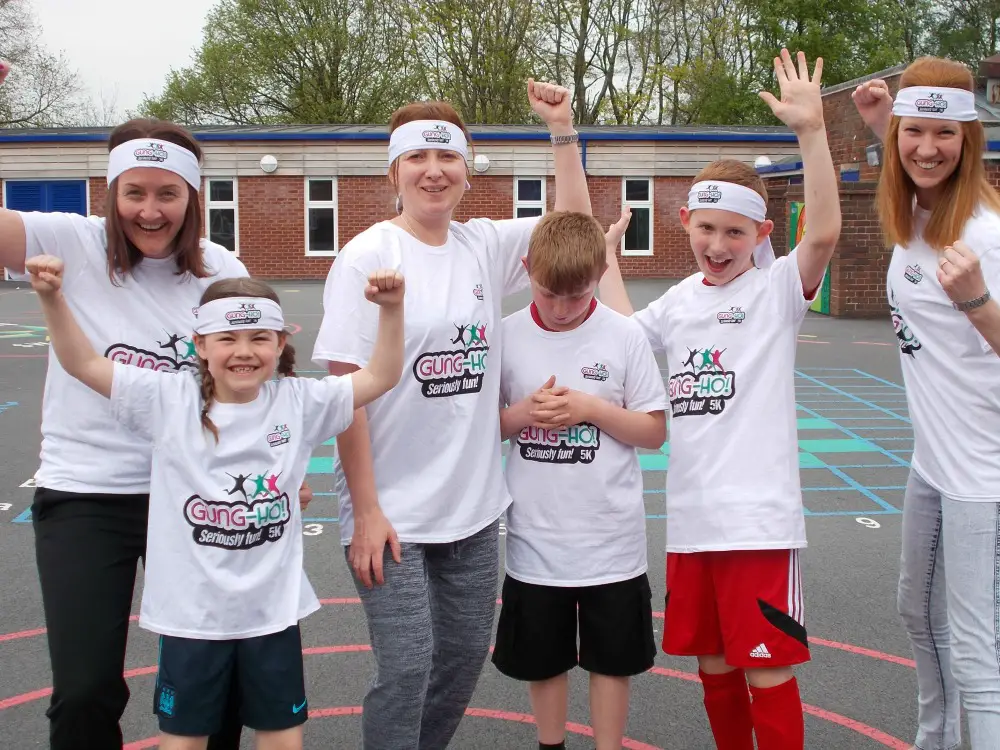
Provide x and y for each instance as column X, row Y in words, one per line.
column 126, row 44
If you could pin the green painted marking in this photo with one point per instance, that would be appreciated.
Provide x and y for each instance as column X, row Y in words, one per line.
column 331, row 441
column 809, row 461
column 845, row 445
column 320, row 465
column 816, row 424
column 653, row 461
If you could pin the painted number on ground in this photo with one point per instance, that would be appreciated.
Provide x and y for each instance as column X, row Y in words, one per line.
column 312, row 529
column 870, row 523
column 4, row 507
column 503, row 528
column 29, row 483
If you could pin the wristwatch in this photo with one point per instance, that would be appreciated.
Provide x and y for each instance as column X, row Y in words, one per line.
column 559, row 140
column 972, row 304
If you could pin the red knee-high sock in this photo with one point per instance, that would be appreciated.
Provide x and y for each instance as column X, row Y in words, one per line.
column 777, row 717
column 728, row 705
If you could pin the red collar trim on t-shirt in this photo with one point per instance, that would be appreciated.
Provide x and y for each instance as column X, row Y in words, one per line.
column 706, row 282
column 538, row 318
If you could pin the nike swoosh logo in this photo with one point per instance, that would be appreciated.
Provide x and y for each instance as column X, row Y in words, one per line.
column 297, row 709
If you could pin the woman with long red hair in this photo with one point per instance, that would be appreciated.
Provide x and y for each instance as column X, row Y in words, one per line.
column 942, row 216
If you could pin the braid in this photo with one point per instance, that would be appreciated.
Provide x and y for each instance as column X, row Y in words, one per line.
column 207, row 396
column 286, row 362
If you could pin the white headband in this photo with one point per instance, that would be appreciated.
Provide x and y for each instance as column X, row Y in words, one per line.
column 147, row 152
column 727, row 196
column 421, row 134
column 239, row 313
column 936, row 103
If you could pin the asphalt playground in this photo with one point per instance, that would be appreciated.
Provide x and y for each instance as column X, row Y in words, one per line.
column 855, row 443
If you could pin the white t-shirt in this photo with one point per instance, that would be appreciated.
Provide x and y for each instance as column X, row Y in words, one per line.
column 733, row 482
column 952, row 376
column 577, row 516
column 436, row 436
column 224, row 541
column 145, row 321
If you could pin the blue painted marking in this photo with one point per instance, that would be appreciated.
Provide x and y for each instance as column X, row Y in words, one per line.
column 8, row 405
column 857, row 399
column 850, row 433
column 886, row 382
column 23, row 517
column 862, row 427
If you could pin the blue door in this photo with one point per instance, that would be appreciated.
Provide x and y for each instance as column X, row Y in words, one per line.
column 65, row 196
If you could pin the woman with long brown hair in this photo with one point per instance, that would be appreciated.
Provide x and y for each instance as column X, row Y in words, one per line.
column 942, row 216
column 132, row 280
column 420, row 470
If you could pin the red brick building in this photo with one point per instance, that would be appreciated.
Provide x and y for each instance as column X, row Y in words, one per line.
column 287, row 216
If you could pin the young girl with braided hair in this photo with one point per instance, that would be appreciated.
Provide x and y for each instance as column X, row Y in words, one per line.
column 225, row 587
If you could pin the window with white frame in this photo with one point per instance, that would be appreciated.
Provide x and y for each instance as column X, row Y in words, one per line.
column 529, row 197
column 223, row 217
column 321, row 216
column 637, row 194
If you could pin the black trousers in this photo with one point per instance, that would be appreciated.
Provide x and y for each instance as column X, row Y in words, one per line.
column 87, row 548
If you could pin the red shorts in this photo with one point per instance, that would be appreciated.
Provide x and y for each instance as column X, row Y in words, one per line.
column 744, row 604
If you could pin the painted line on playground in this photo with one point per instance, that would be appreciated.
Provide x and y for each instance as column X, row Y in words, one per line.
column 353, row 600
column 830, row 716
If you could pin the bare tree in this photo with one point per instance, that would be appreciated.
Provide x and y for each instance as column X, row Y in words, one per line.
column 41, row 90
column 100, row 111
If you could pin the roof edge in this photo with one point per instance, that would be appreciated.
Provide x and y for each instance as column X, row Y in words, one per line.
column 892, row 72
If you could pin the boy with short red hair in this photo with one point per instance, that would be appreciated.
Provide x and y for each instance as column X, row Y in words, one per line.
column 735, row 522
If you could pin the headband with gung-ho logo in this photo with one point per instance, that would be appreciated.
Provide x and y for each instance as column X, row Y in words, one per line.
column 422, row 134
column 936, row 103
column 149, row 152
column 728, row 196
column 239, row 313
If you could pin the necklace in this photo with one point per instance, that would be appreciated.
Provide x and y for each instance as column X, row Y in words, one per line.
column 414, row 232
column 408, row 226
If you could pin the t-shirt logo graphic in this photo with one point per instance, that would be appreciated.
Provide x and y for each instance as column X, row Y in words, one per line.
column 914, row 274
column 711, row 194
column 280, row 436
column 437, row 134
column 248, row 314
column 933, row 103
column 182, row 354
column 732, row 315
column 704, row 386
column 597, row 372
column 259, row 514
column 908, row 342
column 577, row 444
column 478, row 291
column 461, row 370
column 153, row 152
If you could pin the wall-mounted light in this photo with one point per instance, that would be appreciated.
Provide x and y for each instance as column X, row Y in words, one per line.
column 481, row 163
column 268, row 164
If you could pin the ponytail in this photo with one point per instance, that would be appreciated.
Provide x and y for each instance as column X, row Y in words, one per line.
column 207, row 397
column 286, row 362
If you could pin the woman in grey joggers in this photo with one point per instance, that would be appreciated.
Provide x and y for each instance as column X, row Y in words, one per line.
column 422, row 463
column 943, row 217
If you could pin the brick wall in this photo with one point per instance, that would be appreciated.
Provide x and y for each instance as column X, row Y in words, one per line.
column 847, row 134
column 272, row 220
column 98, row 195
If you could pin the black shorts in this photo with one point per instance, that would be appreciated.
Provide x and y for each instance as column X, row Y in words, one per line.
column 536, row 636
column 196, row 676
